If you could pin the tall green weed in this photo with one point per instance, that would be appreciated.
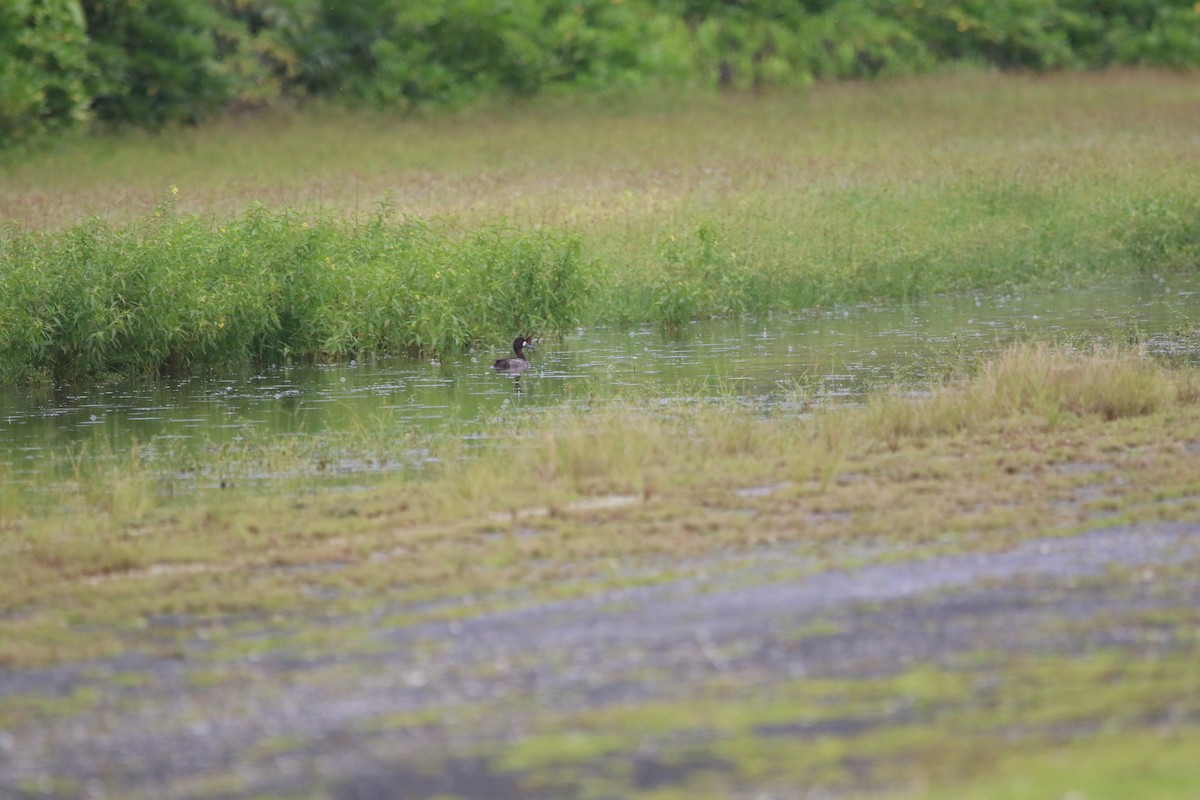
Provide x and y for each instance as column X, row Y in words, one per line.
column 172, row 293
column 702, row 277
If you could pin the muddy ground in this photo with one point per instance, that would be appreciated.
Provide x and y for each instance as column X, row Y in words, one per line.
column 439, row 709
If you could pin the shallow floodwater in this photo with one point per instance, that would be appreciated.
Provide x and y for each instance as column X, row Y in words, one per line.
column 832, row 355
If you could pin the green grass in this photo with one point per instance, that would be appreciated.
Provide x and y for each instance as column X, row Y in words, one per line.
column 1113, row 767
column 665, row 209
column 950, row 740
column 170, row 293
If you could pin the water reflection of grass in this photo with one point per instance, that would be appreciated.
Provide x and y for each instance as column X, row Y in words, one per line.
column 104, row 476
column 689, row 209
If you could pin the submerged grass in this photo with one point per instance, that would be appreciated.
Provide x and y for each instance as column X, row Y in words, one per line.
column 666, row 210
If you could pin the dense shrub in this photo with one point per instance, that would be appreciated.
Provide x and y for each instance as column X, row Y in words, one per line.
column 856, row 43
column 255, row 47
column 156, row 61
column 1171, row 40
column 400, row 54
column 793, row 47
column 43, row 68
column 1031, row 34
column 150, row 63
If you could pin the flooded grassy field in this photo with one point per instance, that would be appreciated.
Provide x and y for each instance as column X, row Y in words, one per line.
column 700, row 602
column 342, row 423
column 863, row 463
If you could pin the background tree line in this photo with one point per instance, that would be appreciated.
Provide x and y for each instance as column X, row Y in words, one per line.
column 70, row 64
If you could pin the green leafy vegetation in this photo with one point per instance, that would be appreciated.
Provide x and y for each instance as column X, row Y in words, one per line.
column 172, row 293
column 44, row 70
column 150, row 64
column 156, row 63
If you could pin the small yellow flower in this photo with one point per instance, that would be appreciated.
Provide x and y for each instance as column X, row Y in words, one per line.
column 174, row 189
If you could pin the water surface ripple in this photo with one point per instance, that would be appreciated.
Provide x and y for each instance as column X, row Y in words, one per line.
column 828, row 355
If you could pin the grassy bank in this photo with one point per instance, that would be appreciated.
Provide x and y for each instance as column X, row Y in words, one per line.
column 680, row 208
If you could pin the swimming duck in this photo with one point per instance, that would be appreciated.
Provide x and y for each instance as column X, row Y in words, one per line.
column 518, row 364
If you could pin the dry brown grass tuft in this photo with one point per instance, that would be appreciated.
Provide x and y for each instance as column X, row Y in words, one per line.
column 1036, row 381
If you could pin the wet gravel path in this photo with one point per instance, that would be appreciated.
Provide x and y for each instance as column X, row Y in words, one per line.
column 282, row 722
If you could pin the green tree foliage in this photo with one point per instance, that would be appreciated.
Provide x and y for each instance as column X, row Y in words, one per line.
column 257, row 46
column 407, row 54
column 43, row 68
column 155, row 62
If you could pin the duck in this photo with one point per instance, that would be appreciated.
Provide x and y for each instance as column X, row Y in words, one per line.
column 518, row 364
